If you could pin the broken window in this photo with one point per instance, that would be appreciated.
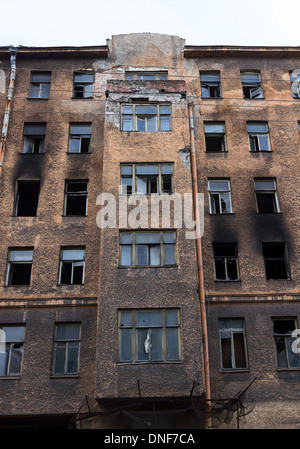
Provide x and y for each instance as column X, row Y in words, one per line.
column 27, row 198
column 146, row 117
column 80, row 137
column 287, row 357
column 83, row 85
column 219, row 197
column 226, row 262
column 275, row 260
column 147, row 248
column 266, row 196
column 34, row 137
column 147, row 179
column 72, row 266
column 210, row 84
column 251, row 83
column 149, row 336
column 40, row 84
column 76, row 198
column 233, row 345
column 146, row 76
column 295, row 83
column 215, row 137
column 258, row 136
column 19, row 266
column 11, row 349
column 66, row 349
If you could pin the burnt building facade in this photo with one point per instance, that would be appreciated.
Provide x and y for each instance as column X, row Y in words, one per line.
column 112, row 313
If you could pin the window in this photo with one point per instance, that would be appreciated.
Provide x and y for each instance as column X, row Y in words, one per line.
column 19, row 266
column 226, row 262
column 34, row 137
column 146, row 117
column 266, row 196
column 282, row 331
column 258, row 136
column 11, row 349
column 66, row 349
column 251, row 84
column 147, row 248
column 40, row 85
column 76, row 198
column 80, row 137
column 295, row 83
column 147, row 179
column 233, row 345
column 146, row 76
column 72, row 266
column 149, row 336
column 27, row 198
column 83, row 85
column 215, row 137
column 275, row 260
column 210, row 84
column 219, row 197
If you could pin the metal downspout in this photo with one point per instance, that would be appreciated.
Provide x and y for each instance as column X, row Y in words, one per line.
column 13, row 57
column 199, row 257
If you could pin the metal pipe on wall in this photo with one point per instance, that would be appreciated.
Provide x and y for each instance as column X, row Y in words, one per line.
column 13, row 68
column 199, row 256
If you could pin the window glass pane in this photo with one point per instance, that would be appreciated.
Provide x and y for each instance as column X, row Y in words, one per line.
column 88, row 90
column 156, row 346
column 12, row 334
column 151, row 124
column 171, row 318
column 257, row 127
column 146, row 169
column 172, row 344
column 78, row 273
column 225, row 203
column 169, row 254
column 40, row 77
column 125, row 237
column 125, row 258
column 73, row 355
column 35, row 130
column 125, row 345
column 294, row 358
column 166, row 169
column 147, row 237
column 169, row 237
column 80, row 129
column 165, row 109
column 143, row 344
column 265, row 185
column 59, row 358
column 127, row 109
column 74, row 145
column 165, row 123
column 141, row 254
column 283, row 326
column 146, row 110
column 219, row 186
column 281, row 352
column 154, row 255
column 127, row 123
column 141, row 124
column 149, row 318
column 264, row 142
column 68, row 332
column 83, row 77
column 21, row 255
column 141, row 185
column 15, row 359
column 250, row 77
column 226, row 353
column 214, row 128
column 4, row 358
column 210, row 77
column 239, row 350
column 125, row 319
column 126, row 169
column 73, row 254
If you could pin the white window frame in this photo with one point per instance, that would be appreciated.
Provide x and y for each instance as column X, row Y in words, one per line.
column 133, row 115
column 219, row 192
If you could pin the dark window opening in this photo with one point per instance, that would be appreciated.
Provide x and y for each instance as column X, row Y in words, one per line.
column 34, row 138
column 233, row 347
column 285, row 343
column 72, row 266
column 19, row 267
column 83, row 85
column 27, row 199
column 226, row 263
column 210, row 84
column 76, row 198
column 251, row 83
column 275, row 261
column 266, row 203
column 214, row 137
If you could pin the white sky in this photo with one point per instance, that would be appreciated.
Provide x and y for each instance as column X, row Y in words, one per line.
column 199, row 22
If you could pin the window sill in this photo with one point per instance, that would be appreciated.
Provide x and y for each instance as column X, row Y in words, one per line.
column 154, row 362
column 18, row 286
column 10, row 377
column 31, row 154
column 69, row 285
column 235, row 370
column 280, row 370
column 249, row 98
column 39, row 99
column 227, row 280
column 269, row 213
column 147, row 266
column 64, row 376
column 212, row 98
column 77, row 98
column 261, row 151
column 216, row 152
column 224, row 213
column 74, row 216
column 87, row 152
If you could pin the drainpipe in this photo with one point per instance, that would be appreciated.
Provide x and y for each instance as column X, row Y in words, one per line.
column 199, row 258
column 13, row 57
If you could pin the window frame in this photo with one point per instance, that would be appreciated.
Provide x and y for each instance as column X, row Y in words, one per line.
column 132, row 75
column 256, row 85
column 161, row 244
column 254, row 139
column 43, row 86
column 34, row 136
column 17, row 197
column 285, row 337
column 80, row 136
column 67, row 342
column 225, row 261
column 134, row 116
column 83, row 84
column 282, row 245
column 134, row 328
column 11, row 344
column 233, row 331
column 219, row 192
column 10, row 263
column 207, row 84
column 295, row 95
column 81, row 193
column 75, row 263
column 134, row 177
column 273, row 192
column 208, row 134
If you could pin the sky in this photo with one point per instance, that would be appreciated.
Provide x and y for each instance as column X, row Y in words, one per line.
column 38, row 23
